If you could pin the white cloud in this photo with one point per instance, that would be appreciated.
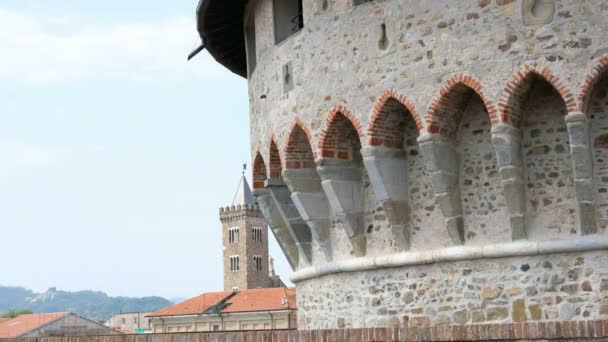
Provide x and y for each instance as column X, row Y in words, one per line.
column 41, row 50
column 17, row 155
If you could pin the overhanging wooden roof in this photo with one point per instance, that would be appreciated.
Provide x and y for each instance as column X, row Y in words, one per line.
column 220, row 26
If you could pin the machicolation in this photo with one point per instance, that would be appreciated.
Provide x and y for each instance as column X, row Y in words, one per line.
column 429, row 162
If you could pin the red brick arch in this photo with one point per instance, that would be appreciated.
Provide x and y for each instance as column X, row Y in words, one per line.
column 381, row 132
column 275, row 166
column 514, row 92
column 332, row 138
column 599, row 70
column 298, row 150
column 259, row 171
column 449, row 97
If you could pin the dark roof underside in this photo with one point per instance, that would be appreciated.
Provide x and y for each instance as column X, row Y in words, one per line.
column 220, row 25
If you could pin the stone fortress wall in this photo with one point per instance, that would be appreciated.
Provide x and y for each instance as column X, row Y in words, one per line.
column 429, row 162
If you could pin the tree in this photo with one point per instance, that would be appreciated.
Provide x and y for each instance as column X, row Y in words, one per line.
column 15, row 312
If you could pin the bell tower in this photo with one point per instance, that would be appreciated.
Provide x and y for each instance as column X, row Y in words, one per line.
column 245, row 242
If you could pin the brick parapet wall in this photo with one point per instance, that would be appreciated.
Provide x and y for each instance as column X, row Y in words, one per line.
column 553, row 330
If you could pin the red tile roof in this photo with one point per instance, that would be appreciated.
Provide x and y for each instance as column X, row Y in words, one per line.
column 26, row 323
column 272, row 299
column 269, row 299
column 192, row 306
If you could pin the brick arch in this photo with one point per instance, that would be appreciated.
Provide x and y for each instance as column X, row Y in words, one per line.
column 384, row 129
column 451, row 97
column 516, row 89
column 298, row 150
column 333, row 141
column 259, row 171
column 599, row 70
column 275, row 166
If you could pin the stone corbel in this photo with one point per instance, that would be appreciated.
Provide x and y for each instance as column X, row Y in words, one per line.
column 297, row 228
column 342, row 184
column 277, row 224
column 441, row 161
column 387, row 170
column 507, row 143
column 582, row 164
column 310, row 200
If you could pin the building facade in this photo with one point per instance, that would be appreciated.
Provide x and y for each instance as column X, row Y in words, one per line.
column 245, row 244
column 445, row 159
column 255, row 309
column 130, row 323
column 52, row 325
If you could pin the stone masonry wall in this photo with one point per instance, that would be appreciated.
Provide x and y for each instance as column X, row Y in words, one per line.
column 480, row 122
column 336, row 60
column 542, row 288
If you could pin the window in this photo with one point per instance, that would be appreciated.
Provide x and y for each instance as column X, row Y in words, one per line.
column 123, row 320
column 256, row 234
column 360, row 2
column 234, row 289
column 216, row 327
column 250, row 42
column 257, row 263
column 288, row 18
column 233, row 235
column 234, row 263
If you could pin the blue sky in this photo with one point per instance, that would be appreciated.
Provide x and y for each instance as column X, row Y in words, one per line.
column 115, row 153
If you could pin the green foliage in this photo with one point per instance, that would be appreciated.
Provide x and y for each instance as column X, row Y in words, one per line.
column 15, row 312
column 91, row 304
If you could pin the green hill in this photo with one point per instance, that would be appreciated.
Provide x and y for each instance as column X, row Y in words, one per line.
column 91, row 304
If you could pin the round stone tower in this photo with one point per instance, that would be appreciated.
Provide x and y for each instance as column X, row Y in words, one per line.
column 429, row 162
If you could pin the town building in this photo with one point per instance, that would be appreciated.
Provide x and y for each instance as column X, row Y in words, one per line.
column 428, row 163
column 254, row 297
column 52, row 325
column 130, row 322
column 245, row 243
column 254, row 309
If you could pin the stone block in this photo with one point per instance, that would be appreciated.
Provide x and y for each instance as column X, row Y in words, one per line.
column 508, row 149
column 511, row 172
column 388, row 176
column 518, row 310
column 578, row 133
column 455, row 227
column 302, row 180
column 444, row 182
column 478, row 316
column 420, row 321
column 311, row 206
column 490, row 292
column 518, row 227
column 344, row 196
column 441, row 319
column 497, row 313
column 581, row 159
column 449, row 203
column 461, row 317
column 440, row 156
column 587, row 218
column 515, row 196
column 535, row 312
column 584, row 189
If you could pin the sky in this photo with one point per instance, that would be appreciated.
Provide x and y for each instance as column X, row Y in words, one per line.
column 115, row 152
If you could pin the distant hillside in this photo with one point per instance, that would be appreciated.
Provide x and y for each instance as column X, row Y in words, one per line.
column 90, row 304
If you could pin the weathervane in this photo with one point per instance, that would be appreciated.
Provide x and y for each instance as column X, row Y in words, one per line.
column 244, row 168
